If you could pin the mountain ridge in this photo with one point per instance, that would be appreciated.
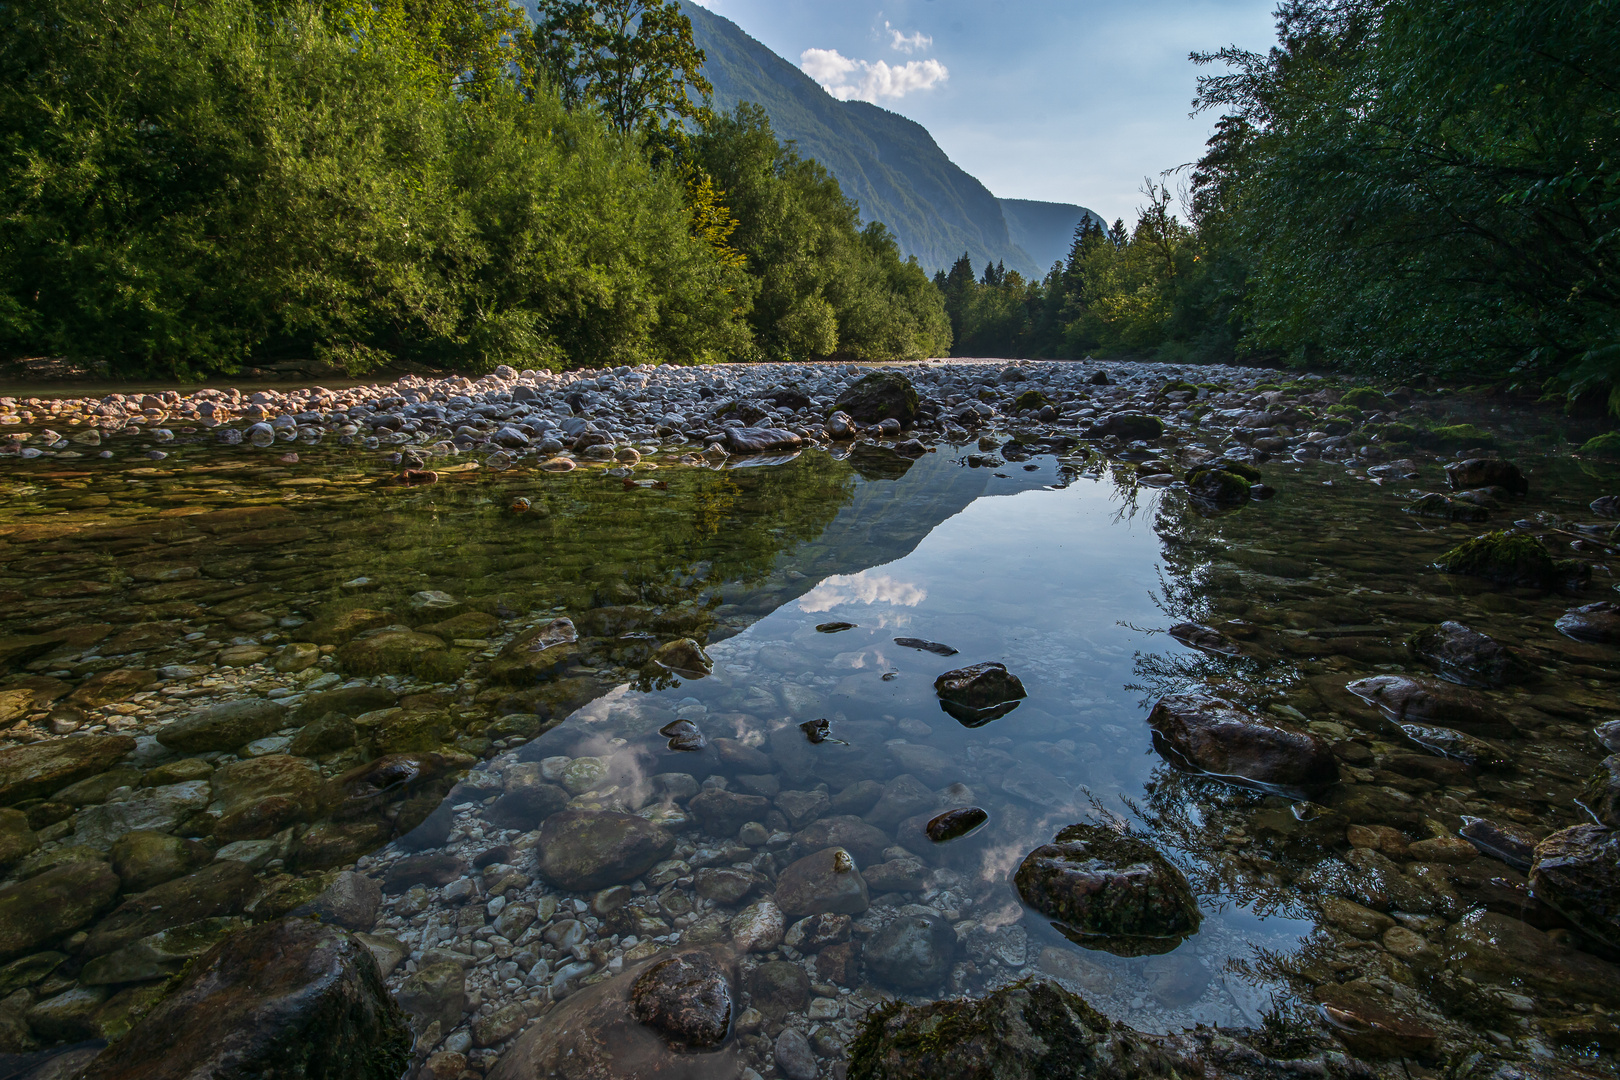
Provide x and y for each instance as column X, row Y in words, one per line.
column 887, row 163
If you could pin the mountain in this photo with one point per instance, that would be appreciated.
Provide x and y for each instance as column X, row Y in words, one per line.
column 887, row 163
column 1045, row 229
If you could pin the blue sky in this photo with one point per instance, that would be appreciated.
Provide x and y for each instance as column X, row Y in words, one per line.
column 1064, row 100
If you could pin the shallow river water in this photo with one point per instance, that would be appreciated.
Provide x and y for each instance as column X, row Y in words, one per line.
column 388, row 622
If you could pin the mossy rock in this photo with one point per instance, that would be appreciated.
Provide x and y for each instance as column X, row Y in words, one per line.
column 1456, row 436
column 1349, row 412
column 1408, row 434
column 1215, row 490
column 1365, row 397
column 1033, row 400
column 1172, row 387
column 387, row 652
column 1606, row 445
column 882, row 395
column 1503, row 557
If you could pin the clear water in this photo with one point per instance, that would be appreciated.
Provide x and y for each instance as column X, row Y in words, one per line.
column 1064, row 569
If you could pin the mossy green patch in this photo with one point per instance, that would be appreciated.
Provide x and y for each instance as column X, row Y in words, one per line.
column 1606, row 445
column 1503, row 557
column 1365, row 397
column 1031, row 399
column 1349, row 412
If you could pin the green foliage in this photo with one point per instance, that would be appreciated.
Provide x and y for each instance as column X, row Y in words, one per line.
column 1424, row 188
column 826, row 286
column 1606, row 445
column 632, row 59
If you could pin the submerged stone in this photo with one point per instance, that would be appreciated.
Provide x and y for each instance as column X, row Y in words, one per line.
column 584, row 850
column 1207, row 734
column 1468, row 657
column 980, row 688
column 1406, row 699
column 1217, row 489
column 1109, row 891
column 1577, row 871
column 1503, row 558
column 825, row 882
column 1204, row 639
column 687, row 998
column 684, row 656
column 1486, row 472
column 1598, row 623
column 953, row 824
column 914, row 952
column 37, row 770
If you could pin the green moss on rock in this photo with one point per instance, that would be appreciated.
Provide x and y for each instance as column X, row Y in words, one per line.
column 1031, row 399
column 1606, row 445
column 1502, row 557
column 1364, row 397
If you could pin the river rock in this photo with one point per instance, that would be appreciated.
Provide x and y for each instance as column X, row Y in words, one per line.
column 159, row 809
column 1486, row 472
column 722, row 813
column 331, row 733
column 1204, row 639
column 536, row 653
column 953, row 824
column 684, row 657
column 687, row 998
column 1206, row 734
column 1109, row 891
column 222, row 888
column 16, row 838
column 1505, row 559
column 1494, row 948
column 882, row 395
column 1468, row 657
column 1598, row 623
column 1577, row 871
column 264, row 795
column 866, row 842
column 144, row 858
column 430, row 870
column 286, row 998
column 585, row 850
column 35, row 912
column 435, row 993
column 351, row 901
column 1372, row 1025
column 760, row 440
column 1129, row 427
column 158, row 955
column 825, row 882
column 225, row 726
column 595, row 1035
column 527, row 800
column 36, row 770
column 757, row 928
column 1406, row 699
column 1601, row 795
column 913, row 952
column 386, row 652
column 981, row 686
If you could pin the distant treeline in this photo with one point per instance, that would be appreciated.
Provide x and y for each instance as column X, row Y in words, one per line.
column 1398, row 187
column 188, row 187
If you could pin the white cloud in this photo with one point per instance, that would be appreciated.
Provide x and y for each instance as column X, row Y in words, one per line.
column 907, row 44
column 867, row 80
column 865, row 587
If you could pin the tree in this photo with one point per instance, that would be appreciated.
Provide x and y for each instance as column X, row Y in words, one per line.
column 633, row 59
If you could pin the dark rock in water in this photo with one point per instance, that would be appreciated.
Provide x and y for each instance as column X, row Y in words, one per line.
column 914, row 952
column 1607, row 507
column 778, row 988
column 1490, row 947
column 38, row 770
column 817, row 732
column 834, row 627
column 1505, row 559
column 1406, row 699
column 1206, row 734
column 1486, row 472
column 1215, row 489
column 223, row 727
column 981, row 686
column 37, row 911
column 788, row 397
column 1601, row 795
column 1098, row 378
column 684, row 657
column 528, row 799
column 973, row 718
column 219, row 889
column 752, row 440
column 1372, row 1025
column 584, row 850
column 823, row 883
column 955, row 823
column 1436, row 505
column 687, row 998
column 1129, row 427
column 882, row 395
column 722, row 813
column 1577, row 871
column 1109, row 891
column 1468, row 657
column 351, row 901
column 1456, row 746
column 926, row 646
column 284, row 999
column 1609, row 735
column 683, row 736
column 596, row 1035
column 1511, row 844
column 536, row 653
column 1598, row 623
column 1204, row 639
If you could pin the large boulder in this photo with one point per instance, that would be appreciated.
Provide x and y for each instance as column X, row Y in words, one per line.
column 583, row 850
column 1203, row 733
column 882, row 395
column 1504, row 558
column 287, row 999
column 1490, row 947
column 218, row 889
column 979, row 693
column 1469, row 657
column 761, row 440
column 1109, row 891
column 38, row 770
column 264, row 795
column 225, row 726
column 1577, row 871
column 536, row 652
column 35, row 912
column 1129, row 427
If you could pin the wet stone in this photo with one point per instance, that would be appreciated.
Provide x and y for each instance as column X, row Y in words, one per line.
column 1108, row 891
column 687, row 998
column 1206, row 734
column 36, row 770
column 226, row 726
column 825, row 882
column 1468, row 657
column 36, row 912
column 914, row 952
column 1495, row 948
column 585, row 850
column 778, row 987
column 1598, row 623
column 1577, row 871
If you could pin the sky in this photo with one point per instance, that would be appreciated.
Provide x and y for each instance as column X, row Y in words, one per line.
column 1070, row 101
